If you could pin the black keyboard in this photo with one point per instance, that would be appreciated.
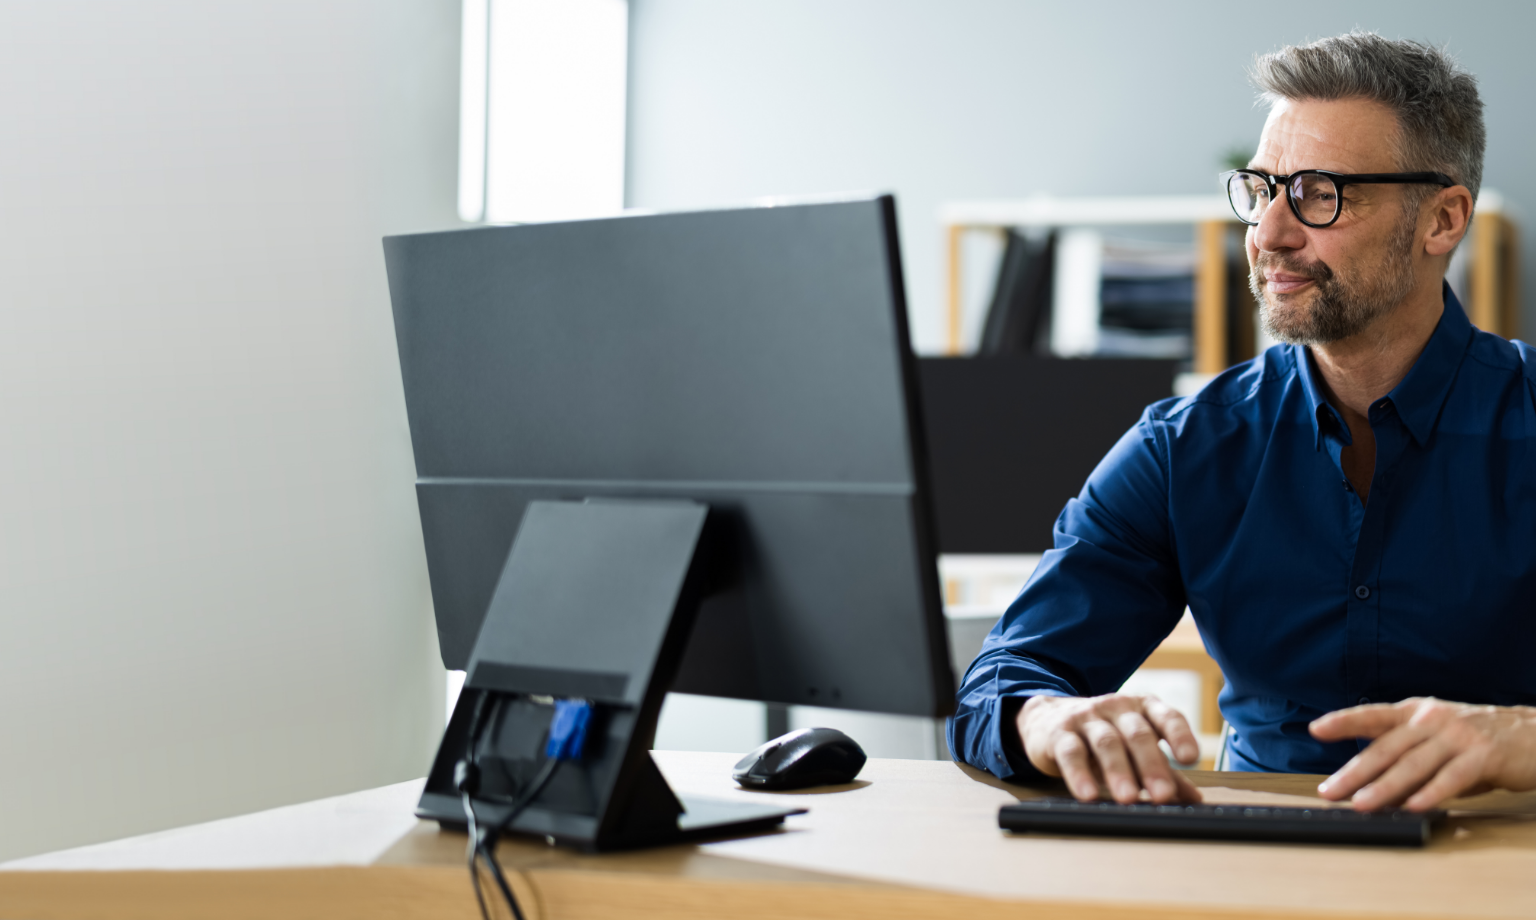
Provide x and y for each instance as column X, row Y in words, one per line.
column 1221, row 822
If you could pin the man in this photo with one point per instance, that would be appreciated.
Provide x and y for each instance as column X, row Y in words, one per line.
column 1351, row 517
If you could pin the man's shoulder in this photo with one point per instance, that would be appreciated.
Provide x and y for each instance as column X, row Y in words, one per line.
column 1510, row 355
column 1496, row 364
column 1239, row 390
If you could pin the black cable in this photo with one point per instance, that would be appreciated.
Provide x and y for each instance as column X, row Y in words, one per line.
column 493, row 834
column 545, row 774
column 471, row 852
column 466, row 779
column 483, row 840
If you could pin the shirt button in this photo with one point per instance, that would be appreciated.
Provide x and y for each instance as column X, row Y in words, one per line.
column 1365, row 701
column 1345, row 483
column 1362, row 592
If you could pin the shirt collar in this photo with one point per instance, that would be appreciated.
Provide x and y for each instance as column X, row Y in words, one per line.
column 1323, row 417
column 1419, row 396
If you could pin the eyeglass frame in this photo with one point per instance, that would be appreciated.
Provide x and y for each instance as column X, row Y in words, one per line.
column 1339, row 181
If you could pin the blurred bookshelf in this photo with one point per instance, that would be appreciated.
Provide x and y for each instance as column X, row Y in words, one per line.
column 1151, row 277
column 1485, row 271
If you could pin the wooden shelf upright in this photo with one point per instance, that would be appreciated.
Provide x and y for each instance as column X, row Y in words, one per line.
column 1493, row 267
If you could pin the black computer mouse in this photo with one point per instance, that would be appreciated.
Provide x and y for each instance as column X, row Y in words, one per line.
column 808, row 757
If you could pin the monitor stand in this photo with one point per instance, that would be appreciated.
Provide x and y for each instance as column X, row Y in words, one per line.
column 596, row 601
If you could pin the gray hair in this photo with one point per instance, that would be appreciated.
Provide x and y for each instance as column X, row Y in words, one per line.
column 1439, row 113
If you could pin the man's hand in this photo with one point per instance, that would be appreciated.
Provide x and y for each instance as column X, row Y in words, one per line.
column 1427, row 751
column 1111, row 738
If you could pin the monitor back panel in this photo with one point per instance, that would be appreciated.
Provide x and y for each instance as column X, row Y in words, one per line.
column 754, row 359
column 1013, row 438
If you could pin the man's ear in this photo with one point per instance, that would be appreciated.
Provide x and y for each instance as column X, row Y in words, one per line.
column 1450, row 213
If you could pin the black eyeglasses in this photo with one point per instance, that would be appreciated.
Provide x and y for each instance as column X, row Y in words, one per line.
column 1315, row 195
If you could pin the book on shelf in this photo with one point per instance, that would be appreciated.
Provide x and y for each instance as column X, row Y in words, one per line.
column 1146, row 299
column 1018, row 320
column 1076, row 293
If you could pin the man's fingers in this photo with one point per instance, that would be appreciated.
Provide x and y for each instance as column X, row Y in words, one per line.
column 1459, row 775
column 1109, row 750
column 1370, row 721
column 1141, row 740
column 1072, row 759
column 1171, row 724
column 1372, row 762
column 1406, row 776
column 1187, row 790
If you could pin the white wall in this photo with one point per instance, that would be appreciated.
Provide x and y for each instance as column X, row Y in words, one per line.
column 732, row 99
column 212, row 592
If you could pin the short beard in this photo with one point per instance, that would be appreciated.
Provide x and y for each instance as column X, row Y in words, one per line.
column 1341, row 306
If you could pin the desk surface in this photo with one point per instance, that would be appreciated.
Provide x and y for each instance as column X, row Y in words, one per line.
column 910, row 839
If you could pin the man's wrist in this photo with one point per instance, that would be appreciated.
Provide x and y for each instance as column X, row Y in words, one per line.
column 1026, row 709
column 1012, row 741
column 1520, row 760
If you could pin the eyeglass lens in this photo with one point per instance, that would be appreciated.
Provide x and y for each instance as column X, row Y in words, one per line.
column 1315, row 196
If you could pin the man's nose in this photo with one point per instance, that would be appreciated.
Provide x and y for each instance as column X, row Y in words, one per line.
column 1278, row 229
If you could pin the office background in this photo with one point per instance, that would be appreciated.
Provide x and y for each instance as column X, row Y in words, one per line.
column 1003, row 98
column 212, row 594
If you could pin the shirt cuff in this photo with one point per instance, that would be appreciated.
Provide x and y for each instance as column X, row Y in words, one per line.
column 1009, row 742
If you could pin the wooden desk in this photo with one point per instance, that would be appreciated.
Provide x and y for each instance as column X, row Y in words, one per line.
column 911, row 839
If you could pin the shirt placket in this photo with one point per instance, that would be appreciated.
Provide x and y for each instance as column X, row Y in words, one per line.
column 1363, row 598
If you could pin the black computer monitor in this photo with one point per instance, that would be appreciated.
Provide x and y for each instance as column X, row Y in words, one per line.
column 753, row 360
column 756, row 360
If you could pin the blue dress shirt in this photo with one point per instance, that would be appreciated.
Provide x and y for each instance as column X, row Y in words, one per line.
column 1233, row 501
